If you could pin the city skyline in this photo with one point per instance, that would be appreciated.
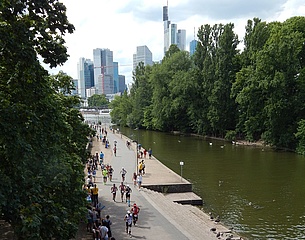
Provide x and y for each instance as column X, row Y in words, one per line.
column 125, row 24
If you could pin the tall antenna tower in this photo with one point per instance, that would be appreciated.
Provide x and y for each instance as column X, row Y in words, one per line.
column 194, row 34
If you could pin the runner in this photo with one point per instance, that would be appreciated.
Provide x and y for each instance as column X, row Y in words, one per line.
column 122, row 190
column 128, row 192
column 128, row 222
column 113, row 191
column 110, row 173
column 114, row 151
column 123, row 173
column 105, row 174
column 135, row 213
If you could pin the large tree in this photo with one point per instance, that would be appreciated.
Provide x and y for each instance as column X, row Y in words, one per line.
column 43, row 139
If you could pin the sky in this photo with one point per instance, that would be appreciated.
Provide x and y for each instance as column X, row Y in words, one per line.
column 122, row 25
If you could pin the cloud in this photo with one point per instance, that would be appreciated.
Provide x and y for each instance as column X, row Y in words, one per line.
column 224, row 9
column 122, row 25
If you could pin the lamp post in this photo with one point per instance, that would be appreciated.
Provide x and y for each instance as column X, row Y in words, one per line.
column 181, row 165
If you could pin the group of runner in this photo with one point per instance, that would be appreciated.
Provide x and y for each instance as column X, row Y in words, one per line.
column 99, row 226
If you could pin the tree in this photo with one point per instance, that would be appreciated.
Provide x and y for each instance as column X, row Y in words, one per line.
column 121, row 108
column 43, row 138
column 97, row 100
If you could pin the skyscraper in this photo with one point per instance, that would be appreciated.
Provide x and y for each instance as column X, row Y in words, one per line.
column 103, row 70
column 166, row 24
column 193, row 45
column 181, row 39
column 171, row 34
column 144, row 55
column 85, row 76
column 122, row 84
column 115, row 77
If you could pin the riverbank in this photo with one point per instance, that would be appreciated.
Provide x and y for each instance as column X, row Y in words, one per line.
column 161, row 216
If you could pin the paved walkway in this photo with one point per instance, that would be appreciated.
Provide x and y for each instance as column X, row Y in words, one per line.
column 159, row 217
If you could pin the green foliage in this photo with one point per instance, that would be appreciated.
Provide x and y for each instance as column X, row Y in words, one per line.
column 43, row 138
column 300, row 135
column 255, row 94
column 97, row 100
column 121, row 109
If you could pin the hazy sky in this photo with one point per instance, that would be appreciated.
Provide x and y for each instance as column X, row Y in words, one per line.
column 122, row 25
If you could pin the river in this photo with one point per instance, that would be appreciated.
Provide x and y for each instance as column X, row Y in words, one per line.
column 257, row 191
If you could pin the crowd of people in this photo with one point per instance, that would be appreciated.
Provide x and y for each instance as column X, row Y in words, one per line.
column 97, row 224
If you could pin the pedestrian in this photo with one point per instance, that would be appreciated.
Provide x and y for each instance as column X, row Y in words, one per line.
column 94, row 174
column 143, row 167
column 103, row 232
column 128, row 222
column 134, row 179
column 107, row 223
column 89, row 219
column 95, row 218
column 149, row 153
column 99, row 208
column 145, row 153
column 113, row 191
column 128, row 192
column 122, row 190
column 128, row 144
column 140, row 167
column 94, row 195
column 139, row 181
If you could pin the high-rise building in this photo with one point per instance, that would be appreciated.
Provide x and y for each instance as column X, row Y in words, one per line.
column 75, row 85
column 122, row 84
column 103, row 70
column 144, row 55
column 193, row 45
column 181, row 39
column 85, row 76
column 115, row 77
column 171, row 34
column 90, row 92
column 166, row 24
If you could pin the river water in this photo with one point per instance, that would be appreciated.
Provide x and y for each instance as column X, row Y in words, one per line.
column 257, row 191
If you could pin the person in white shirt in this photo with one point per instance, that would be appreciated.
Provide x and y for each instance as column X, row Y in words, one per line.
column 139, row 180
column 128, row 222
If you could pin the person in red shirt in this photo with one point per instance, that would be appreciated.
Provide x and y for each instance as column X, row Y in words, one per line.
column 135, row 213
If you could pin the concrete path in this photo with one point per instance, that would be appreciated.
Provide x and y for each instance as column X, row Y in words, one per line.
column 160, row 217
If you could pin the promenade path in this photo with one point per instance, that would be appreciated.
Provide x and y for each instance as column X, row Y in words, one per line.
column 160, row 217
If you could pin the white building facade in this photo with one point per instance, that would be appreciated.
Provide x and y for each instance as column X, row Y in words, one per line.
column 144, row 55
